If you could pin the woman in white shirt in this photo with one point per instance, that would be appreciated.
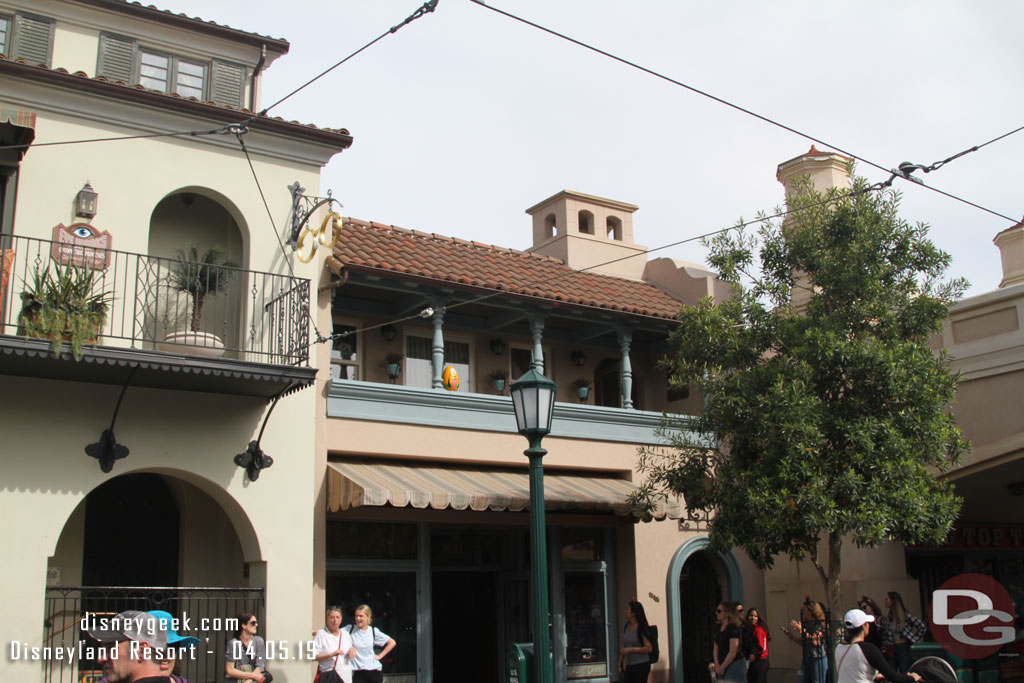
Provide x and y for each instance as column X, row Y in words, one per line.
column 366, row 664
column 334, row 651
column 858, row 661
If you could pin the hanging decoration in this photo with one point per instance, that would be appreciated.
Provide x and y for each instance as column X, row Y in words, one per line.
column 450, row 379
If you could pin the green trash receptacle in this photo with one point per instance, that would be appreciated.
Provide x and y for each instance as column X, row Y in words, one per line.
column 520, row 663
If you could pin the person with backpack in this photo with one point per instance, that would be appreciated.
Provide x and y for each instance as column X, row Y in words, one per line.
column 366, row 667
column 637, row 645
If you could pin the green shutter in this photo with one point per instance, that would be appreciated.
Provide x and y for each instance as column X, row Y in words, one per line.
column 33, row 39
column 226, row 84
column 116, row 58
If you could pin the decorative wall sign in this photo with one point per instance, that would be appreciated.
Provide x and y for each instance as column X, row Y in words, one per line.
column 81, row 245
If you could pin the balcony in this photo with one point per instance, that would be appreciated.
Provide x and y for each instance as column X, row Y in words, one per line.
column 356, row 400
column 249, row 334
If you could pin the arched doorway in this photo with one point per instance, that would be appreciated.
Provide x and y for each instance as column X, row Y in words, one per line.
column 122, row 518
column 698, row 578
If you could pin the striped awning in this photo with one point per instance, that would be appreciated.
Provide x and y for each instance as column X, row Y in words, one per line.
column 357, row 483
column 17, row 127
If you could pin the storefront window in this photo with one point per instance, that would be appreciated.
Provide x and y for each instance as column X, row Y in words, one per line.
column 582, row 545
column 370, row 541
column 585, row 625
column 391, row 596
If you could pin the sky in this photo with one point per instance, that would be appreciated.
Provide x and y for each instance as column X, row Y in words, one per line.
column 465, row 118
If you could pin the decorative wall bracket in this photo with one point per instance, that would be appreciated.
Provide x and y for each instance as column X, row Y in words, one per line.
column 302, row 208
column 107, row 450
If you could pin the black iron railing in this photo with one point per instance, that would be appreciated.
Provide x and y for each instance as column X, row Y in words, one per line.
column 165, row 304
column 209, row 614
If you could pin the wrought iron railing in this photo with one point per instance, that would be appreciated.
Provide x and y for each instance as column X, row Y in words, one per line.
column 164, row 304
column 209, row 614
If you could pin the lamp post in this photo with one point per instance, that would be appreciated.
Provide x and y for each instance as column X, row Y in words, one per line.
column 533, row 398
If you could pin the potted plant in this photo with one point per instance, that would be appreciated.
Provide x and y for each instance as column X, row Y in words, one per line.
column 499, row 377
column 393, row 365
column 67, row 304
column 582, row 387
column 199, row 274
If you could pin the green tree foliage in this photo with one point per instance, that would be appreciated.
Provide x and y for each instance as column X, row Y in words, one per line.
column 824, row 418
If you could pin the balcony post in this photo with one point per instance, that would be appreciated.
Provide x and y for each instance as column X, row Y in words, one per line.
column 625, row 337
column 537, row 332
column 437, row 356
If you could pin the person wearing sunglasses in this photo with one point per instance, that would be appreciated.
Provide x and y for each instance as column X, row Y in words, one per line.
column 246, row 656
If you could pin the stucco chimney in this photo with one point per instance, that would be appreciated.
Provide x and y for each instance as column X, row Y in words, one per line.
column 588, row 232
column 825, row 170
column 1011, row 252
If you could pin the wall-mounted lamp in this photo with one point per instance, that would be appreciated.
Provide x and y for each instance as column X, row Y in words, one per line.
column 497, row 346
column 388, row 332
column 578, row 357
column 86, row 201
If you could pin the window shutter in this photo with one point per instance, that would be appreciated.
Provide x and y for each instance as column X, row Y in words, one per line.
column 226, row 86
column 116, row 58
column 33, row 39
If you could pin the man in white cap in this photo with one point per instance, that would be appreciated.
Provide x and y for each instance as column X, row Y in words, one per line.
column 135, row 645
column 858, row 661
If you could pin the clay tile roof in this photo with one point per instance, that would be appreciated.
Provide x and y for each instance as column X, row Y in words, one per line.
column 375, row 247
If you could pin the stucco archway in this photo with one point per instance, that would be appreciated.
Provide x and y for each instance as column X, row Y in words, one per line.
column 733, row 590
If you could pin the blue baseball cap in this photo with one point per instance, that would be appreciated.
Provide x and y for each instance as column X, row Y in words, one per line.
column 174, row 639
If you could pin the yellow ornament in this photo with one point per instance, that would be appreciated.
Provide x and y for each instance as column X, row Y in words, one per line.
column 450, row 378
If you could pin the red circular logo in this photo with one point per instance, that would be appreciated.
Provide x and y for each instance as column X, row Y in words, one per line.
column 972, row 616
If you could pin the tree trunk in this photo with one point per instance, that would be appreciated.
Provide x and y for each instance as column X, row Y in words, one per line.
column 197, row 312
column 830, row 576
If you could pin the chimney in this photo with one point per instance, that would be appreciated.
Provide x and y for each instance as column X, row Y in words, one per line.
column 825, row 170
column 586, row 231
column 1011, row 252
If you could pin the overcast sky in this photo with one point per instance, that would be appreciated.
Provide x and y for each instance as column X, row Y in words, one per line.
column 465, row 118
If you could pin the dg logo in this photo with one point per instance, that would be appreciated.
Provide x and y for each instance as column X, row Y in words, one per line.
column 972, row 616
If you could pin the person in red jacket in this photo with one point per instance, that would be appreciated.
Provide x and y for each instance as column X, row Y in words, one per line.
column 757, row 670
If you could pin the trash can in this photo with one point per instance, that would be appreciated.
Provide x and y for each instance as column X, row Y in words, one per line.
column 520, row 663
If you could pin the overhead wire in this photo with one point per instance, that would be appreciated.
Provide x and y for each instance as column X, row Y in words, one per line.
column 732, row 105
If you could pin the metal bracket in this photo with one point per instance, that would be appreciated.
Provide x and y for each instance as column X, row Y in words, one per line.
column 302, row 208
column 253, row 459
column 107, row 450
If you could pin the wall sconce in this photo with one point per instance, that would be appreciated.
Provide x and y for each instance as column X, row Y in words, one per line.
column 497, row 346
column 578, row 357
column 86, row 201
column 388, row 332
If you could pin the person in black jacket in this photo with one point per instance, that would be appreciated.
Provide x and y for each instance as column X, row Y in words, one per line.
column 858, row 661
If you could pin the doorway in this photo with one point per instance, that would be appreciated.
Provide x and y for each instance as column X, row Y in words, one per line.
column 700, row 591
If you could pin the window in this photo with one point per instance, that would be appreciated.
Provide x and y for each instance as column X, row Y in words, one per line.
column 586, row 222
column 122, row 59
column 5, row 32
column 613, row 228
column 28, row 37
column 585, row 592
column 171, row 74
column 419, row 369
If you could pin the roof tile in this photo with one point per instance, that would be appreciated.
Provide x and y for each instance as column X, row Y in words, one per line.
column 364, row 245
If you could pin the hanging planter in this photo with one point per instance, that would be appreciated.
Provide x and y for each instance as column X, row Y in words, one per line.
column 499, row 377
column 582, row 387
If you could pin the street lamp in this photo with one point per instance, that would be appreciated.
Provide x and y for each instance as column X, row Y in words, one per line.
column 533, row 398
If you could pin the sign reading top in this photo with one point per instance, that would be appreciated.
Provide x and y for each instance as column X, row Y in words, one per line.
column 81, row 245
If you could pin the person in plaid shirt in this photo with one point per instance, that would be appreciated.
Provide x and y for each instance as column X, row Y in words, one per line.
column 903, row 628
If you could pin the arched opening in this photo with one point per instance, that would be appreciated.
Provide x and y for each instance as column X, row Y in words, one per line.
column 586, row 222
column 697, row 580
column 550, row 226
column 608, row 385
column 194, row 217
column 613, row 229
column 147, row 541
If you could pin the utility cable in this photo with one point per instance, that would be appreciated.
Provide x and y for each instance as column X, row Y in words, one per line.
column 241, row 130
column 195, row 133
column 426, row 8
column 738, row 226
column 736, row 106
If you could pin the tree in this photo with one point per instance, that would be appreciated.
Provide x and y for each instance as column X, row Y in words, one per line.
column 825, row 419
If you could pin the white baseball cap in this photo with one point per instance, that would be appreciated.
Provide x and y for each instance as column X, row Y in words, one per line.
column 856, row 618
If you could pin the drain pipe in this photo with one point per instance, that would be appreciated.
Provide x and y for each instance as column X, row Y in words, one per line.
column 255, row 75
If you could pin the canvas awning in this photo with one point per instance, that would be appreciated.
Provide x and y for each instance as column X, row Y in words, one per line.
column 357, row 483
